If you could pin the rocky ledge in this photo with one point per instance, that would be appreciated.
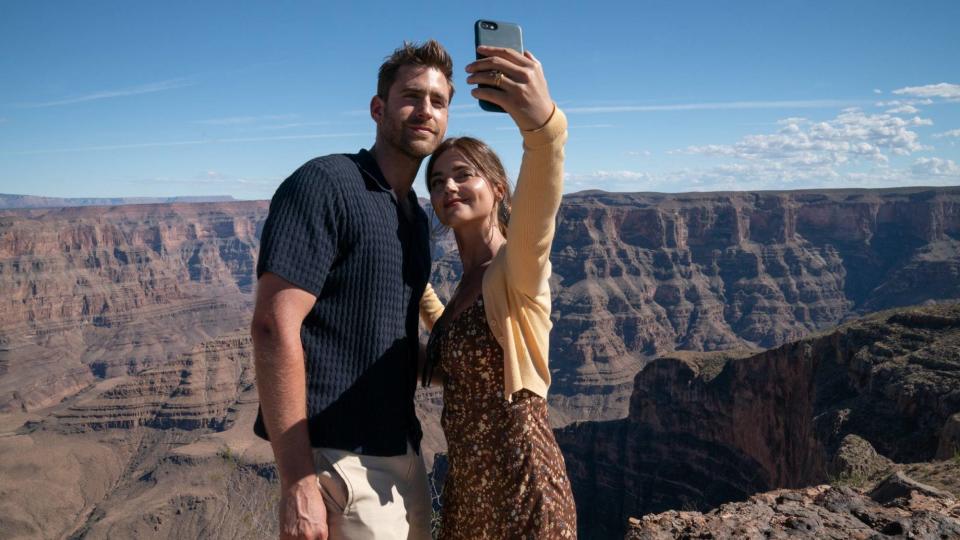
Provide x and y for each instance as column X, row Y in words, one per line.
column 897, row 507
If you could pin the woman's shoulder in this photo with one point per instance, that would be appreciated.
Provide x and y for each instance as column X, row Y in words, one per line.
column 506, row 276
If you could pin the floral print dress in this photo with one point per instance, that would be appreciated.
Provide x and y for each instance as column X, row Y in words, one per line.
column 507, row 478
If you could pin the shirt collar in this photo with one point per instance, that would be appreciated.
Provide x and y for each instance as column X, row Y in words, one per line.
column 368, row 164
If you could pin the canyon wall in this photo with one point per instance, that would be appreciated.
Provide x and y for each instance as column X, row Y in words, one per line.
column 95, row 292
column 98, row 292
column 640, row 275
column 704, row 429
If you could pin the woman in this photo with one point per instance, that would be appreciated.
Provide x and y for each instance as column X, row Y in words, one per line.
column 507, row 477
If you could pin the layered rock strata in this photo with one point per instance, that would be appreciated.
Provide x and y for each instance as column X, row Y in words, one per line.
column 641, row 275
column 93, row 293
column 196, row 390
column 707, row 429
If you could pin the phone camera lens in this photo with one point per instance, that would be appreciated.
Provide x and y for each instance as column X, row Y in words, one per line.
column 488, row 26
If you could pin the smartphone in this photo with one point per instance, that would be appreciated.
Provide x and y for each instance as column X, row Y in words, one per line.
column 496, row 34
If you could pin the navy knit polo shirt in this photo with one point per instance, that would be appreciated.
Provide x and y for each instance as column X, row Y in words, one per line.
column 337, row 230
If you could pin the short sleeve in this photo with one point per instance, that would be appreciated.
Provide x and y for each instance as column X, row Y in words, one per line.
column 299, row 239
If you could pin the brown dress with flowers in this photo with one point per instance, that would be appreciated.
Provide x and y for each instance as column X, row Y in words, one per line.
column 507, row 478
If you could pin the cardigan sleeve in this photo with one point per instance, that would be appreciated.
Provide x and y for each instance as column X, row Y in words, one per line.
column 430, row 307
column 536, row 202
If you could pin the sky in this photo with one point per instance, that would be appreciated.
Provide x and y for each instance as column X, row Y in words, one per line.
column 127, row 98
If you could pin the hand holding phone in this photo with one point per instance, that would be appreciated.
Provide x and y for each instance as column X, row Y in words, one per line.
column 513, row 82
column 496, row 34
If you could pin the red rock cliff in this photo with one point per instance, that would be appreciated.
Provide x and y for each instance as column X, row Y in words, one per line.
column 100, row 291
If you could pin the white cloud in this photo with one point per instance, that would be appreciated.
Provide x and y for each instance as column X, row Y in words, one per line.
column 851, row 137
column 610, row 181
column 590, row 126
column 904, row 102
column 149, row 88
column 241, row 120
column 951, row 133
column 571, row 127
column 935, row 166
column 903, row 109
column 192, row 143
column 943, row 90
column 212, row 178
column 791, row 120
column 766, row 176
column 291, row 125
column 877, row 91
column 607, row 175
column 729, row 105
column 855, row 148
column 214, row 182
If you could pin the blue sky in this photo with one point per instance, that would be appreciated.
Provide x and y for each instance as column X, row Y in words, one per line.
column 103, row 99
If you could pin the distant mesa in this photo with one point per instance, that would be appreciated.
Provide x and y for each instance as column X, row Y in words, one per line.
column 8, row 201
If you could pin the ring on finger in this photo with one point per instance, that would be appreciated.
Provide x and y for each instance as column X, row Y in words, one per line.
column 497, row 78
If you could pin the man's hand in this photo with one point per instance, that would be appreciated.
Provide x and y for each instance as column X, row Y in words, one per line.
column 303, row 515
column 281, row 385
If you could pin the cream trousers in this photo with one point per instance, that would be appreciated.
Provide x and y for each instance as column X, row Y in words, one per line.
column 372, row 497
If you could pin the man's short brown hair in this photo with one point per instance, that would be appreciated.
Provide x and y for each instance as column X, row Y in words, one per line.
column 430, row 54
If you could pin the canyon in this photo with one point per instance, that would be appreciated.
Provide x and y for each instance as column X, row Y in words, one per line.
column 707, row 428
column 694, row 333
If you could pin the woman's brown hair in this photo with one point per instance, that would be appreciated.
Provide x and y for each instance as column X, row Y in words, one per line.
column 488, row 165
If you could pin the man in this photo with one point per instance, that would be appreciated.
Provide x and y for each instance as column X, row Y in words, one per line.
column 344, row 259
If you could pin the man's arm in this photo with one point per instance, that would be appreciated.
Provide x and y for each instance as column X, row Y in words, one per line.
column 281, row 385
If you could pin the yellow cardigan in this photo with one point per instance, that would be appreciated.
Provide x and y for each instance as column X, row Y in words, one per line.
column 516, row 291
